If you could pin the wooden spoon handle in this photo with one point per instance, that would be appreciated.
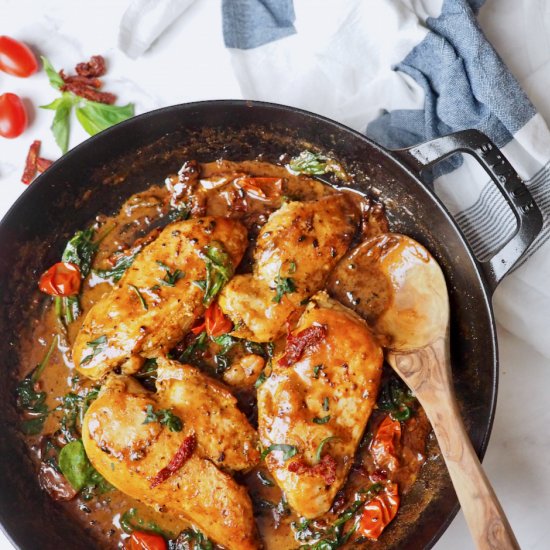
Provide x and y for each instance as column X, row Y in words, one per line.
column 428, row 373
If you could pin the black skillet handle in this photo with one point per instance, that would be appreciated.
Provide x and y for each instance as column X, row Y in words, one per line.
column 527, row 213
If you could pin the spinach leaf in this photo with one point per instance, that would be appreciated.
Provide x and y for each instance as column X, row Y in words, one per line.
column 130, row 522
column 97, row 346
column 171, row 277
column 396, row 398
column 80, row 250
column 74, row 464
column 141, row 299
column 165, row 416
column 117, row 271
column 322, row 444
column 219, row 269
column 315, row 164
column 191, row 539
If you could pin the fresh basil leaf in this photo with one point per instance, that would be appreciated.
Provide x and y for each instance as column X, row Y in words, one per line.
column 74, row 464
column 55, row 80
column 61, row 121
column 322, row 420
column 95, row 117
column 322, row 444
column 288, row 450
column 80, row 250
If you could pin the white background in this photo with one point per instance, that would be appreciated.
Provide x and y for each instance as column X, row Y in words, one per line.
column 188, row 63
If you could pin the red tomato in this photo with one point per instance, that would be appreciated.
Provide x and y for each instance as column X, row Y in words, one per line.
column 379, row 512
column 215, row 322
column 262, row 188
column 62, row 279
column 385, row 442
column 146, row 541
column 13, row 116
column 16, row 58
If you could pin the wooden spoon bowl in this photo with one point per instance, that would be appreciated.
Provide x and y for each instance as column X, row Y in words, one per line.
column 398, row 287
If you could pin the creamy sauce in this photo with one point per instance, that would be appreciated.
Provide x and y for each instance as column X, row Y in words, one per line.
column 153, row 208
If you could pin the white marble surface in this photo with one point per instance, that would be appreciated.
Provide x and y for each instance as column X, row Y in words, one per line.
column 189, row 63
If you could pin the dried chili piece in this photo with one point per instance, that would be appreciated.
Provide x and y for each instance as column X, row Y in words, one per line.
column 296, row 344
column 43, row 164
column 94, row 67
column 30, row 163
column 325, row 468
column 183, row 454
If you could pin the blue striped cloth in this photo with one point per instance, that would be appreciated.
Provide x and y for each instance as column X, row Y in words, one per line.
column 404, row 72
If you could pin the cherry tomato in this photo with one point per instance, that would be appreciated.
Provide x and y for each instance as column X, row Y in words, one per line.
column 146, row 541
column 385, row 442
column 379, row 512
column 62, row 279
column 215, row 322
column 13, row 116
column 261, row 187
column 16, row 58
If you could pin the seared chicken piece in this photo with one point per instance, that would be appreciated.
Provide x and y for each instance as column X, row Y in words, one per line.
column 141, row 459
column 157, row 300
column 296, row 250
column 317, row 407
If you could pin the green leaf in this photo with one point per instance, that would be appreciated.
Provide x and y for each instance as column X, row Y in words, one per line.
column 322, row 420
column 97, row 346
column 95, row 117
column 288, row 450
column 322, row 444
column 130, row 522
column 118, row 270
column 80, row 250
column 315, row 164
column 141, row 299
column 55, row 80
column 74, row 464
column 219, row 269
column 61, row 121
column 265, row 480
column 165, row 416
column 171, row 278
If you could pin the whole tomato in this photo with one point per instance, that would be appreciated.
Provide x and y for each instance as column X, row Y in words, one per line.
column 13, row 116
column 16, row 58
column 62, row 279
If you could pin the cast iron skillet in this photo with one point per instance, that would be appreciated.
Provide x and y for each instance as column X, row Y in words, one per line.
column 100, row 173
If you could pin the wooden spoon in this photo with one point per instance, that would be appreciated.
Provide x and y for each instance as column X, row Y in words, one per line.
column 399, row 288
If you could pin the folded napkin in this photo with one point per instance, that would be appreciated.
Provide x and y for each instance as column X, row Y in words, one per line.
column 402, row 71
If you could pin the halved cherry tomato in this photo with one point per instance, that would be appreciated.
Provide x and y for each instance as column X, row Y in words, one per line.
column 62, row 279
column 379, row 512
column 384, row 443
column 215, row 322
column 13, row 116
column 16, row 58
column 145, row 541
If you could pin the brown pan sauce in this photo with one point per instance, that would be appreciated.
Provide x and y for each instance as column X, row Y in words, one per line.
column 212, row 193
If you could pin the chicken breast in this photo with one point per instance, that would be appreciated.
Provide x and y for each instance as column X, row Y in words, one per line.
column 296, row 250
column 312, row 413
column 158, row 299
column 182, row 472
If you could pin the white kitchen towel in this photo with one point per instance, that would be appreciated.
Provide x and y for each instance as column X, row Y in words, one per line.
column 405, row 71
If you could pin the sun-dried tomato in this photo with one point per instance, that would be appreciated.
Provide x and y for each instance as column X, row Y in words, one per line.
column 384, row 444
column 43, row 164
column 378, row 512
column 261, row 187
column 296, row 344
column 89, row 93
column 30, row 163
column 94, row 67
column 183, row 454
column 325, row 468
column 82, row 80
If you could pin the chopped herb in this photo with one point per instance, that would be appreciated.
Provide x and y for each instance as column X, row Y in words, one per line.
column 219, row 269
column 322, row 420
column 283, row 285
column 315, row 164
column 171, row 277
column 396, row 398
column 226, row 342
column 317, row 371
column 117, row 271
column 130, row 522
column 264, row 375
column 265, row 480
column 192, row 350
column 319, row 451
column 97, row 346
column 325, row 404
column 288, row 450
column 292, row 267
column 302, row 529
column 165, row 416
column 178, row 214
column 140, row 297
column 147, row 374
column 32, row 401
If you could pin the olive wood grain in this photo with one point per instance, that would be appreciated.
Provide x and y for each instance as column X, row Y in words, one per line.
column 427, row 372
